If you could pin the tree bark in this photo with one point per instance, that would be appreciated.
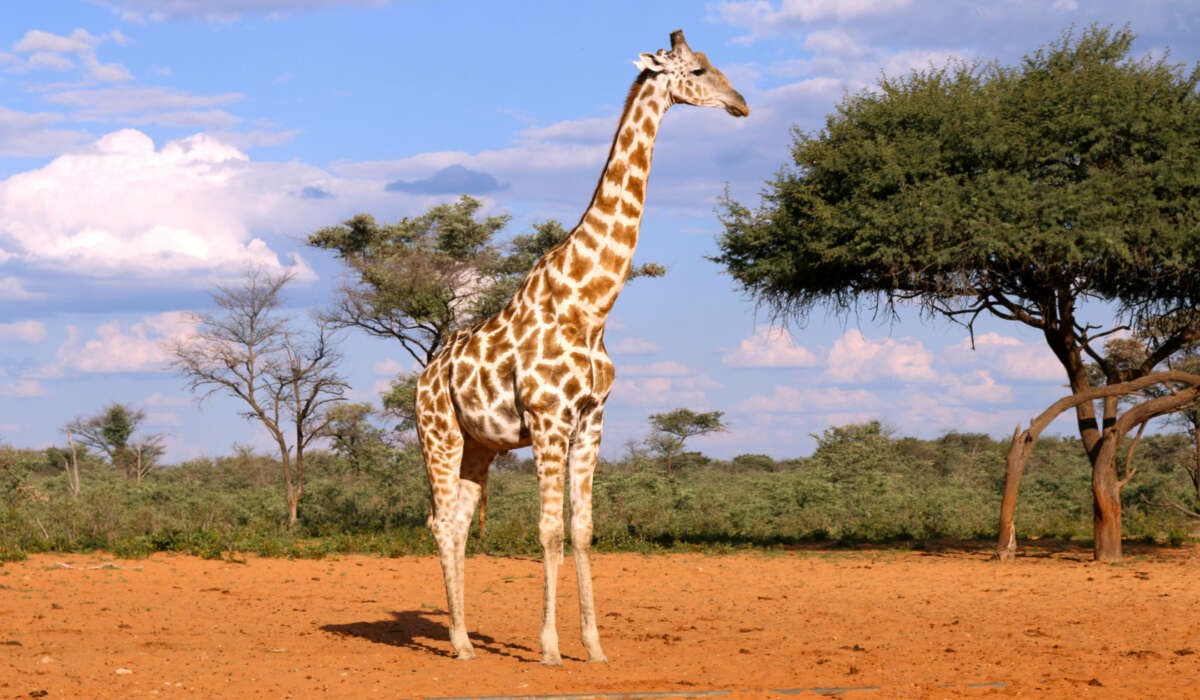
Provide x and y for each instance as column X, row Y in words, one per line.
column 1106, row 485
column 1014, row 467
column 1106, row 501
column 73, row 467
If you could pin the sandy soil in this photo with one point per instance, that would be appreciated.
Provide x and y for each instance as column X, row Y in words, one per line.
column 884, row 623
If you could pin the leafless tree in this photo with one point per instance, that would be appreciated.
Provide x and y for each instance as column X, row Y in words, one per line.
column 250, row 350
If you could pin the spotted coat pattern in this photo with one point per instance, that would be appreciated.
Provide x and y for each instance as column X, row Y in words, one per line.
column 537, row 373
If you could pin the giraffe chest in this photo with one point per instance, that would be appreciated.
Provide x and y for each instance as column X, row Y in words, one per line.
column 549, row 371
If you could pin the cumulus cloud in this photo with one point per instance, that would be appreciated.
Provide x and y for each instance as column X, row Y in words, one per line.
column 770, row 346
column 22, row 389
column 764, row 19
column 46, row 51
column 221, row 11
column 123, row 207
column 454, row 179
column 1007, row 356
column 25, row 134
column 147, row 105
column 785, row 399
column 138, row 347
column 667, row 384
column 978, row 386
column 634, row 346
column 13, row 288
column 28, row 331
column 666, row 368
column 857, row 359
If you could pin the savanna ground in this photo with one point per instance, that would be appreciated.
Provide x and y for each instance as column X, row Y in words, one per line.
column 878, row 623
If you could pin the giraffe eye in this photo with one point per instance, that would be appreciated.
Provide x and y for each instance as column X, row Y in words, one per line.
column 699, row 71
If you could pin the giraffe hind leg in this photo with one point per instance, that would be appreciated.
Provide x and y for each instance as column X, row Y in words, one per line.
column 451, row 527
column 585, row 450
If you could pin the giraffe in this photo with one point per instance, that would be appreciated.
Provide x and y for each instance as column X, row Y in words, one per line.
column 537, row 373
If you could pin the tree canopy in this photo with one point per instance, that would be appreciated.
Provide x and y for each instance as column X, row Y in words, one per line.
column 976, row 188
column 1024, row 192
column 422, row 278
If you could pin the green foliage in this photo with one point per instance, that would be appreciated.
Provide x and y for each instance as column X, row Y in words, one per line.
column 861, row 485
column 1074, row 174
column 673, row 428
column 422, row 278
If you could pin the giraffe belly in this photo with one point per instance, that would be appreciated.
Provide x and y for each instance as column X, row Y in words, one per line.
column 496, row 425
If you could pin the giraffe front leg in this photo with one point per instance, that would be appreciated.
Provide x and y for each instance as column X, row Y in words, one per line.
column 443, row 452
column 550, row 453
column 584, row 452
column 468, row 497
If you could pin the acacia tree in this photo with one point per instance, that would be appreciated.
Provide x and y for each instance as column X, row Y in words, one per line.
column 353, row 437
column 286, row 378
column 672, row 428
column 112, row 431
column 422, row 278
column 1055, row 194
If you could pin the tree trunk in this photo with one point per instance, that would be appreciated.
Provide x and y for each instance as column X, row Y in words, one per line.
column 73, row 468
column 1106, row 507
column 1014, row 467
column 1106, row 485
column 293, row 502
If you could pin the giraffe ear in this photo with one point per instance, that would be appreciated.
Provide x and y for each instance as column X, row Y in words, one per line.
column 648, row 61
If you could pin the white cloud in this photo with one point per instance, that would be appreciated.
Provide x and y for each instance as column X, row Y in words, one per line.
column 51, row 51
column 159, row 399
column 121, row 207
column 666, row 368
column 147, row 105
column 764, row 19
column 1009, row 357
column 28, row 331
column 770, row 346
column 389, row 368
column 25, row 134
column 635, row 346
column 13, row 288
column 785, row 399
column 221, row 11
column 37, row 40
column 22, row 388
column 977, row 387
column 665, row 392
column 140, row 347
column 855, row 358
column 662, row 384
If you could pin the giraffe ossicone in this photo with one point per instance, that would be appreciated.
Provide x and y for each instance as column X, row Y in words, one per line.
column 537, row 373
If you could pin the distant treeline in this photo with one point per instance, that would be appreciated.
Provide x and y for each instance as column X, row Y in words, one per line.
column 861, row 485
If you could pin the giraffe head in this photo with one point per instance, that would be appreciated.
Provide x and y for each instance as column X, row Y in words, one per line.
column 691, row 79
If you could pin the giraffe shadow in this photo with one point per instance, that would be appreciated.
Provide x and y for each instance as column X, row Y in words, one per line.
column 421, row 630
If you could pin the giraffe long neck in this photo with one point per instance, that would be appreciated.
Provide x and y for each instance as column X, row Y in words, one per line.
column 597, row 255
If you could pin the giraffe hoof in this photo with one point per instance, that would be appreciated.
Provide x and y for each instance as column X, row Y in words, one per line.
column 551, row 660
column 466, row 654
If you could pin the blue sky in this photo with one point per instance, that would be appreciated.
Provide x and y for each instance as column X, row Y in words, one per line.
column 150, row 150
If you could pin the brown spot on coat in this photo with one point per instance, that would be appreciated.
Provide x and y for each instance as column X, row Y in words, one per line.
column 636, row 187
column 639, row 158
column 611, row 261
column 625, row 234
column 571, row 388
column 615, row 173
column 579, row 267
column 599, row 288
column 606, row 205
column 626, row 138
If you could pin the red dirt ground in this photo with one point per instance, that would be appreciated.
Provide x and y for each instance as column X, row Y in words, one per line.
column 886, row 623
